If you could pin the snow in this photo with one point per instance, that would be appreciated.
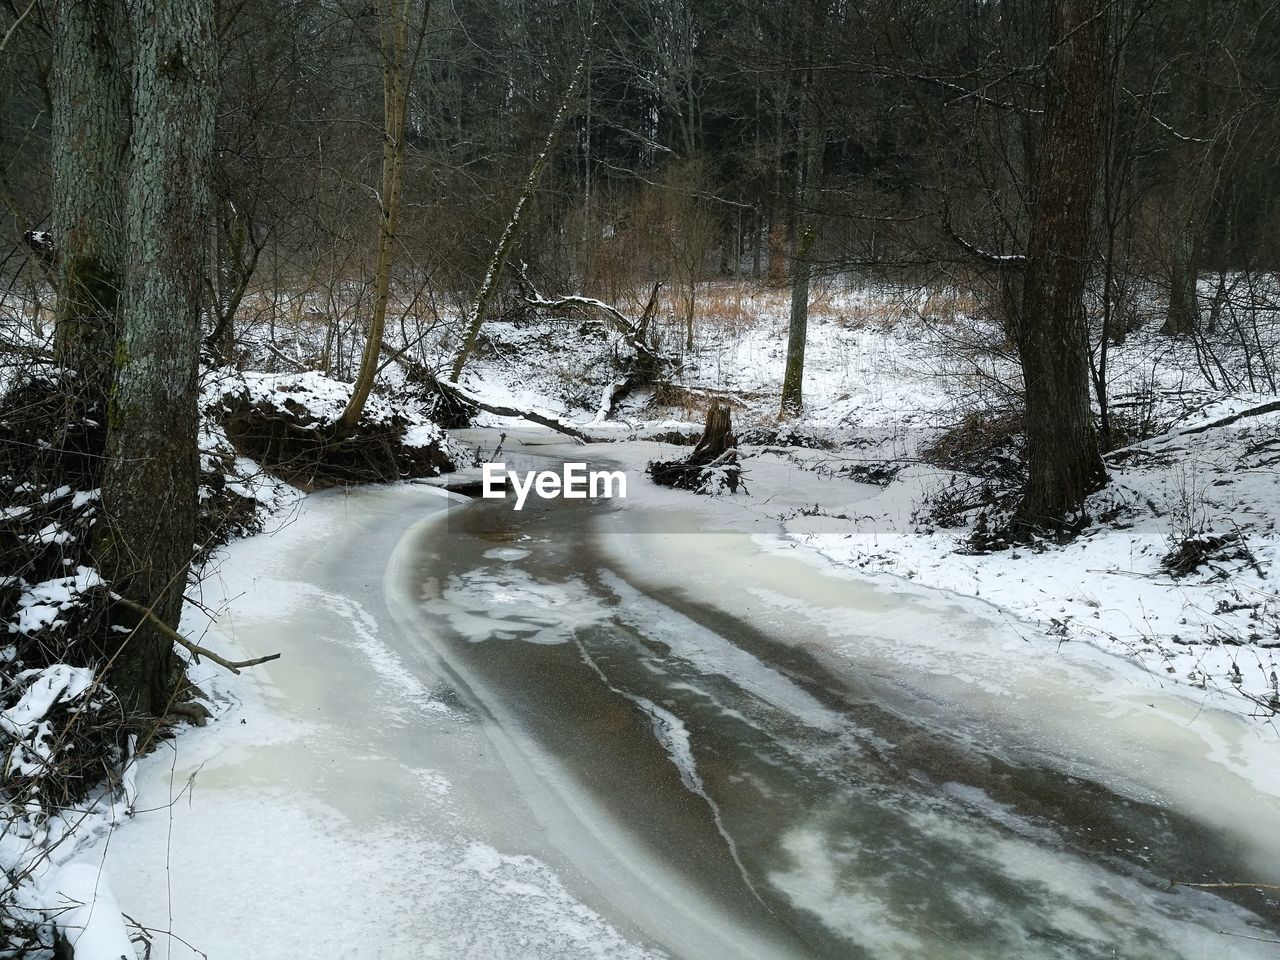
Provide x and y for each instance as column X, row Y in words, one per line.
column 87, row 914
column 340, row 778
column 39, row 841
column 510, row 604
column 40, row 604
column 45, row 687
column 313, row 399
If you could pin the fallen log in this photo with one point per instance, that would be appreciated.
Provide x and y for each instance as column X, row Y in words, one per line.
column 534, row 416
column 1154, row 446
column 643, row 367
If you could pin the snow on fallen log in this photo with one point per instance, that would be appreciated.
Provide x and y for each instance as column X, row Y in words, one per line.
column 534, row 416
column 86, row 915
column 47, row 687
column 1161, row 443
column 609, row 399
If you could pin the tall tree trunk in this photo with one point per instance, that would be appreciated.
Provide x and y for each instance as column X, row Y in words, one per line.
column 809, row 172
column 1183, row 315
column 1192, row 164
column 397, row 73
column 149, row 488
column 90, row 142
column 798, row 329
column 1064, row 462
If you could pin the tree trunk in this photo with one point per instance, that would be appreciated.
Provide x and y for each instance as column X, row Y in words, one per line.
column 236, row 253
column 90, row 139
column 717, row 435
column 798, row 329
column 1183, row 315
column 687, row 307
column 1193, row 180
column 713, row 464
column 1064, row 462
column 149, row 489
column 397, row 73
column 809, row 171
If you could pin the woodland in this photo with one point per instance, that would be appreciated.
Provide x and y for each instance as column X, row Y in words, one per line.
column 995, row 259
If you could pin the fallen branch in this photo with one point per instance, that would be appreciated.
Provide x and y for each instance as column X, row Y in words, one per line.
column 1149, row 446
column 555, row 423
column 646, row 365
column 1258, row 411
column 281, row 355
column 633, row 332
column 235, row 666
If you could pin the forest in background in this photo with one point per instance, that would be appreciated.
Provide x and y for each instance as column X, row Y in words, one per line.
column 703, row 139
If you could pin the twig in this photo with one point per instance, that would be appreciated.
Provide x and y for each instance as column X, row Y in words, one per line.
column 233, row 665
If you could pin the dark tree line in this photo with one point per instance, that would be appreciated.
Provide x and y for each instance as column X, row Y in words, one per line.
column 922, row 119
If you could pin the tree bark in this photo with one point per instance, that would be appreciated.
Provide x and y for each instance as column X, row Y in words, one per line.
column 90, row 140
column 798, row 329
column 149, row 489
column 1183, row 315
column 1193, row 182
column 809, row 162
column 397, row 74
column 712, row 465
column 1064, row 461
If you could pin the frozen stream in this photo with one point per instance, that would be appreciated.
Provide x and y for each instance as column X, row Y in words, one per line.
column 817, row 814
column 577, row 731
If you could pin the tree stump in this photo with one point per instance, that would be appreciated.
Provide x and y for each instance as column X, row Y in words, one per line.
column 713, row 464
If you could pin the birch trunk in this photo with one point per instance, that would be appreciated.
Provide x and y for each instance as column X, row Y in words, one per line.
column 149, row 489
column 503, row 249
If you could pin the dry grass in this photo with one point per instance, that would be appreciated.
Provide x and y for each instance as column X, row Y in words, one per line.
column 735, row 306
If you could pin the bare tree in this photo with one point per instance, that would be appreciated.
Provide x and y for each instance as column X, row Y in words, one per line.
column 398, row 67
column 149, row 488
column 1064, row 461
column 502, row 250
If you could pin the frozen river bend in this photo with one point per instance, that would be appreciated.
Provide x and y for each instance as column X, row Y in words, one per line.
column 581, row 731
